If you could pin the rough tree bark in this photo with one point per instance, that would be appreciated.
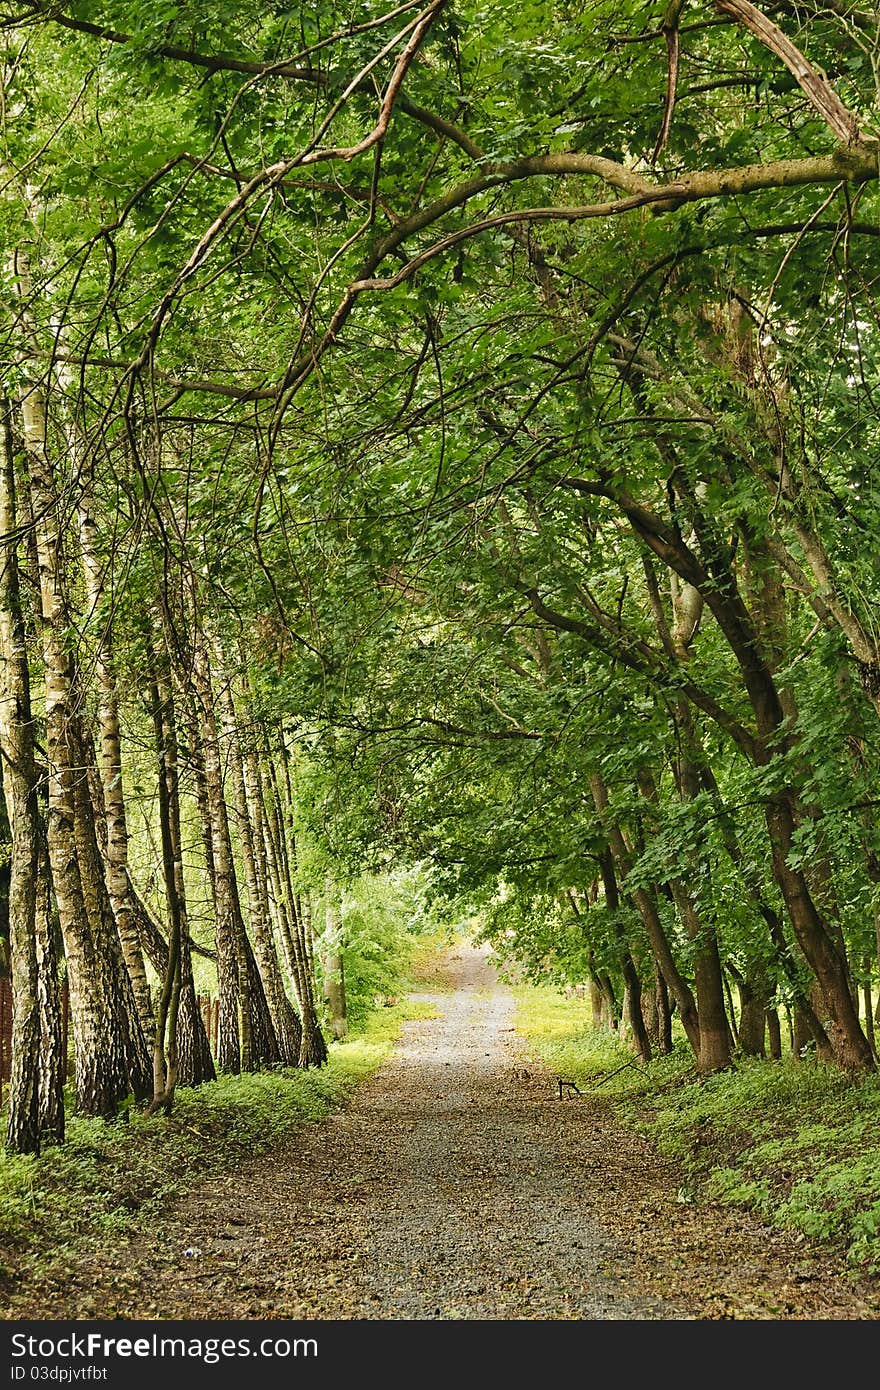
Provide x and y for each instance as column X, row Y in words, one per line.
column 19, row 774
column 284, row 1020
column 165, row 1042
column 247, row 1037
column 313, row 1048
column 109, row 1046
column 653, row 924
column 53, row 1061
column 112, row 800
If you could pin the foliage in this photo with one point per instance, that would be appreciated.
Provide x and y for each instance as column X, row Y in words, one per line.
column 108, row 1178
column 512, row 446
column 794, row 1141
column 380, row 922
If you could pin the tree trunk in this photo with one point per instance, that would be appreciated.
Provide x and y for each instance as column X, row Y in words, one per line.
column 752, row 1016
column 259, row 1044
column 333, row 964
column 602, row 997
column 53, row 1057
column 774, row 1035
column 598, row 1004
column 851, row 1047
column 280, row 896
column 165, row 1048
column 710, row 571
column 233, row 983
column 663, row 1013
column 228, row 1054
column 631, row 1015
column 769, row 915
column 19, row 774
column 290, row 1036
column 195, row 1061
column 313, row 1050
column 869, row 1004
column 651, row 921
column 732, row 1023
column 109, row 1046
column 110, row 805
column 802, row 1034
column 285, row 1023
column 715, row 1034
column 877, row 940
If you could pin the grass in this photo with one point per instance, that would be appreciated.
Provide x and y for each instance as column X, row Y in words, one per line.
column 424, row 969
column 799, row 1142
column 110, row 1177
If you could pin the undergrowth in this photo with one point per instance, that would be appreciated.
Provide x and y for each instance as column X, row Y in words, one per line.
column 424, row 969
column 798, row 1142
column 107, row 1177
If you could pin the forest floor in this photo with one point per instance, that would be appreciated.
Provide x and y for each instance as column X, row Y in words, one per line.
column 455, row 1184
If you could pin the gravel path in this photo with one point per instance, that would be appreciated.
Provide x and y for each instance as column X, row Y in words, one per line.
column 468, row 1206
column 457, row 1185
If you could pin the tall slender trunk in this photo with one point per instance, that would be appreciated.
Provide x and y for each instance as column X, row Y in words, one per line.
column 333, row 966
column 664, row 1013
column 113, row 794
column 715, row 1030
column 877, row 940
column 753, row 888
column 290, row 1036
column 632, row 1016
column 603, row 1001
column 815, row 935
column 19, row 773
column 653, row 924
column 105, row 767
column 709, row 570
column 285, row 1023
column 233, row 983
column 279, row 895
column 53, row 1058
column 867, row 965
column 195, row 1060
column 313, row 1049
column 256, row 1032
column 851, row 1047
column 228, row 1053
column 714, row 1052
column 110, row 1049
column 53, row 1034
column 165, row 1048
column 715, row 1035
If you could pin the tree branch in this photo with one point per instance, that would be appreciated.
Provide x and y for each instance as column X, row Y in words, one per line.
column 821, row 96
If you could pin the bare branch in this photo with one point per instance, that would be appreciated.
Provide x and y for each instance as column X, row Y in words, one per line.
column 670, row 33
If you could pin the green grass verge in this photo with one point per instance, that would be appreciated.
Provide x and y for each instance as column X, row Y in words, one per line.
column 108, row 1177
column 799, row 1142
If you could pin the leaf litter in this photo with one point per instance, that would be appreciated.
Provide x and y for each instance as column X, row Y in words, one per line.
column 454, row 1184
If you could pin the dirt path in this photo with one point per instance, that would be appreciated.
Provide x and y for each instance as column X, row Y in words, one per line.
column 455, row 1186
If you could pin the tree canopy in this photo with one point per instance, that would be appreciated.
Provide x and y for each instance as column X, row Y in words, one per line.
column 466, row 413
